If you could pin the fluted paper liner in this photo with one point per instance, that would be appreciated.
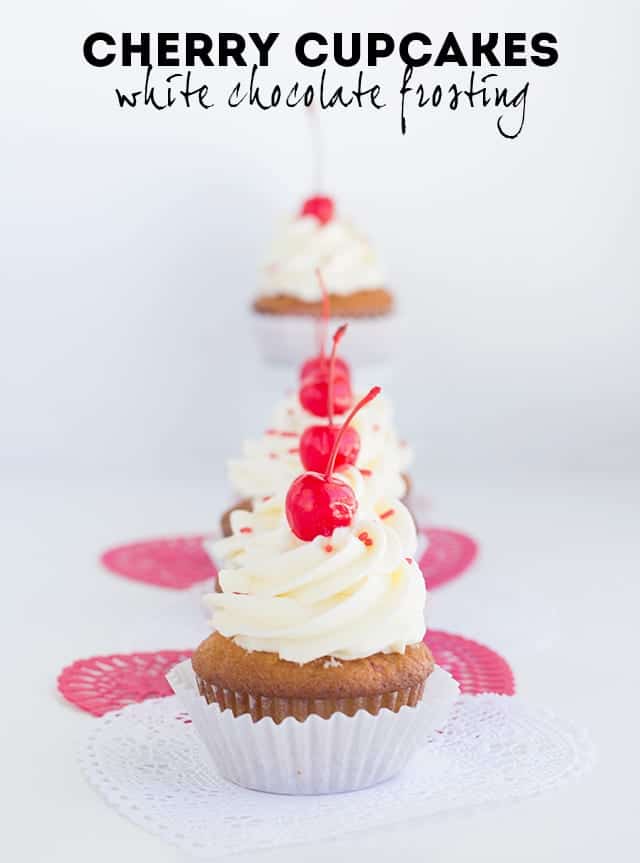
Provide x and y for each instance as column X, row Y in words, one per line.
column 317, row 756
column 278, row 709
column 289, row 339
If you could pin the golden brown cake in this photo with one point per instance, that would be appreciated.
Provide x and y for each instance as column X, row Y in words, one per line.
column 358, row 304
column 262, row 684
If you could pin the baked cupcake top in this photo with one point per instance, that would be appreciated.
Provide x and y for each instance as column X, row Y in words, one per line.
column 269, row 464
column 318, row 239
column 349, row 595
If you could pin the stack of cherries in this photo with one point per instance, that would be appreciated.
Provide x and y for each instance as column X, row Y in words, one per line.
column 318, row 501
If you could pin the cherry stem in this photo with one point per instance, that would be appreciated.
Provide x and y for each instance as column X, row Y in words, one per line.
column 317, row 150
column 337, row 336
column 373, row 392
column 326, row 311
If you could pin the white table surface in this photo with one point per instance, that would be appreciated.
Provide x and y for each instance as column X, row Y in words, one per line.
column 555, row 590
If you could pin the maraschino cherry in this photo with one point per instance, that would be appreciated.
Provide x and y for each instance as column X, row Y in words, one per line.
column 318, row 503
column 319, row 363
column 320, row 207
column 314, row 395
column 317, row 441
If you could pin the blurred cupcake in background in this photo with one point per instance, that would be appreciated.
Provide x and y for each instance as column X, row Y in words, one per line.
column 318, row 239
column 289, row 300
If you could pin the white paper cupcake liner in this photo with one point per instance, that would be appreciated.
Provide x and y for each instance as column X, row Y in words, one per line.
column 291, row 339
column 317, row 756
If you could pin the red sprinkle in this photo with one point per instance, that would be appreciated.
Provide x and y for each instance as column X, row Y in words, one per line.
column 409, row 559
column 293, row 449
column 267, row 497
column 328, row 548
column 246, row 530
column 375, row 427
column 365, row 472
column 365, row 538
column 388, row 513
column 273, row 455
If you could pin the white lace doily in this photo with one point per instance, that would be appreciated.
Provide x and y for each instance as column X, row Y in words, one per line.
column 148, row 763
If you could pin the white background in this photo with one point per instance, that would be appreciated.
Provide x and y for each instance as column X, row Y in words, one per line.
column 130, row 245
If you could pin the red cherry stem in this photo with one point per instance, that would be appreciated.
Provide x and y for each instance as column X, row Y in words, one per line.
column 337, row 336
column 316, row 149
column 373, row 392
column 324, row 327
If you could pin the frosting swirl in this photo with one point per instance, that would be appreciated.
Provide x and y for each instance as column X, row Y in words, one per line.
column 348, row 596
column 304, row 244
column 260, row 528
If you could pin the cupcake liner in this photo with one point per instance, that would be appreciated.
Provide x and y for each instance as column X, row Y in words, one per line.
column 278, row 709
column 289, row 339
column 316, row 756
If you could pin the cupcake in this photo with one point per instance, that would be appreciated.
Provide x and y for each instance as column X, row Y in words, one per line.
column 316, row 678
column 269, row 464
column 289, row 301
column 317, row 238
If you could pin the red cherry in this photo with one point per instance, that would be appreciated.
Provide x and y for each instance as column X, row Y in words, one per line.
column 320, row 366
column 319, row 206
column 317, row 442
column 316, row 504
column 325, row 393
column 314, row 396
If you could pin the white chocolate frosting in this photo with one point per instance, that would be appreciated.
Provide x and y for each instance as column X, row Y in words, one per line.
column 270, row 464
column 347, row 596
column 303, row 244
column 261, row 528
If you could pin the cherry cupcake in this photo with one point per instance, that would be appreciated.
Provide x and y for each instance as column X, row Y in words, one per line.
column 289, row 301
column 301, row 434
column 316, row 678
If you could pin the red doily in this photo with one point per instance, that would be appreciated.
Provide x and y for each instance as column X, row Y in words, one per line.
column 448, row 555
column 177, row 563
column 476, row 668
column 181, row 562
column 106, row 683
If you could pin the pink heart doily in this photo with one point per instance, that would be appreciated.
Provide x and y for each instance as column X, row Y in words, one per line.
column 105, row 683
column 177, row 563
column 476, row 668
column 448, row 555
column 182, row 561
